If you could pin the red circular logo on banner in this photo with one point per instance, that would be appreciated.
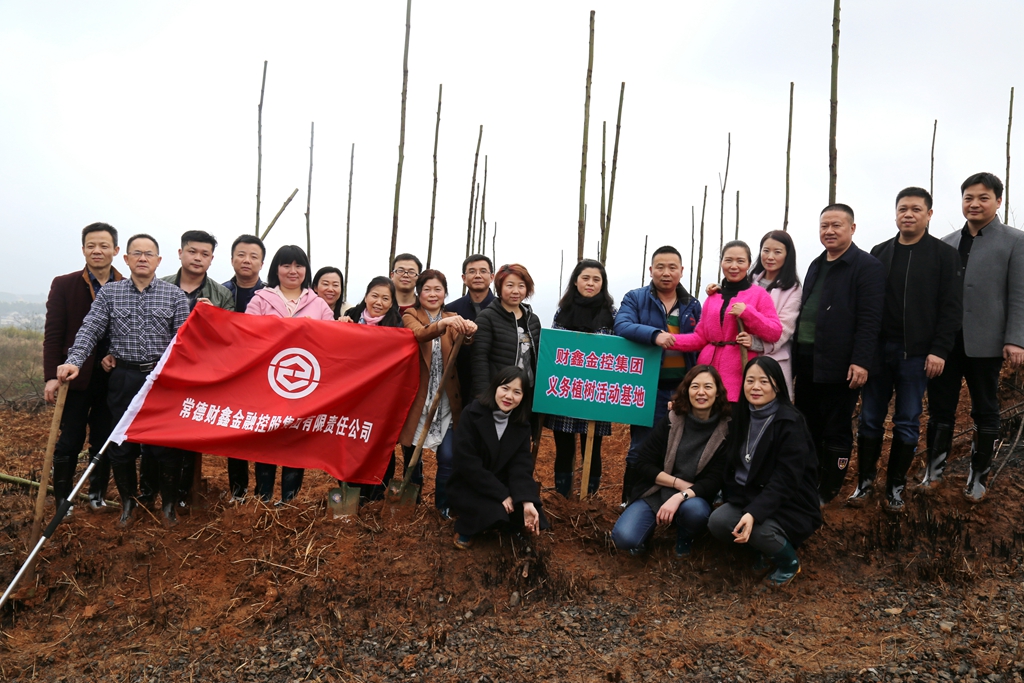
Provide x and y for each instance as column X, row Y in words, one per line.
column 294, row 373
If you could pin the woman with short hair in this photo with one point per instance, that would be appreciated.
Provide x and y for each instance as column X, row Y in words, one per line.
column 329, row 283
column 680, row 466
column 436, row 331
column 508, row 331
column 771, row 476
column 288, row 294
column 492, row 484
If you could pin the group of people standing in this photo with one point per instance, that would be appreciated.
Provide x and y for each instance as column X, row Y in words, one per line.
column 756, row 390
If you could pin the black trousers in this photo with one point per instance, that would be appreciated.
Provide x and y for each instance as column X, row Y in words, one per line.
column 86, row 409
column 124, row 384
column 828, row 407
column 565, row 453
column 982, row 375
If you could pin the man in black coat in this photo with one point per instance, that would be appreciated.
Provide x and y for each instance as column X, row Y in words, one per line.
column 477, row 276
column 920, row 319
column 836, row 340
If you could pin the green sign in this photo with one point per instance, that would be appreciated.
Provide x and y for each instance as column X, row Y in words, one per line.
column 596, row 377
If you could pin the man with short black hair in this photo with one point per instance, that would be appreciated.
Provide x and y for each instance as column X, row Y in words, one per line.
column 247, row 255
column 142, row 314
column 404, row 271
column 993, row 331
column 920, row 319
column 653, row 315
column 70, row 297
column 477, row 275
column 836, row 341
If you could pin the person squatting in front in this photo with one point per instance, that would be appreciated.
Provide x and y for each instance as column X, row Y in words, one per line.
column 492, row 484
column 771, row 474
column 680, row 466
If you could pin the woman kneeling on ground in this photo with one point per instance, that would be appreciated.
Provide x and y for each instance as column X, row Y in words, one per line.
column 492, row 482
column 770, row 489
column 680, row 466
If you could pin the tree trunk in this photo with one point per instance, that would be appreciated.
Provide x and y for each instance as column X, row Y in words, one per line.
column 401, row 136
column 700, row 253
column 615, row 165
column 722, row 182
column 737, row 235
column 433, row 195
column 604, row 206
column 482, row 230
column 309, row 192
column 586, row 127
column 693, row 241
column 279, row 212
column 1006, row 181
column 494, row 244
column 472, row 196
column 476, row 208
column 259, row 146
column 789, row 148
column 348, row 221
column 931, row 175
column 643, row 266
column 833, row 106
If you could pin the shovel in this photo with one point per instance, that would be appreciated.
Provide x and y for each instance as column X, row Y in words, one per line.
column 344, row 500
column 403, row 492
column 743, row 349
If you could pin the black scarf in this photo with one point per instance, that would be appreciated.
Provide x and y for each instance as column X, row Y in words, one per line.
column 585, row 313
column 729, row 290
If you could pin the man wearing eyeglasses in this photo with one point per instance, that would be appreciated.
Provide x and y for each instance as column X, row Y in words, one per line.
column 404, row 271
column 141, row 314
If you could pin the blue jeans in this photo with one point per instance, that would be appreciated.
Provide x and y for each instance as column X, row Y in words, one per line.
column 637, row 433
column 907, row 377
column 638, row 521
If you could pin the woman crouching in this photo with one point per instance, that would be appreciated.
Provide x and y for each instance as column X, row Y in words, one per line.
column 492, row 482
column 770, row 488
column 680, row 466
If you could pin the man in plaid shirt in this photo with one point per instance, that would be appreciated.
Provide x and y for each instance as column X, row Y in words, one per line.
column 141, row 315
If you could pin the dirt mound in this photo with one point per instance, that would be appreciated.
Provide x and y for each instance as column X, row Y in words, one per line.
column 256, row 593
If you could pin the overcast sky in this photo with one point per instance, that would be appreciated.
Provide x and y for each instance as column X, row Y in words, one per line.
column 143, row 115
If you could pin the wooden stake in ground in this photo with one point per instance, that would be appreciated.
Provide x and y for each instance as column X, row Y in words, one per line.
column 587, row 453
column 604, row 207
column 348, row 221
column 611, row 186
column 44, row 475
column 1006, row 180
column 309, row 191
column 586, row 130
column 472, row 195
column 722, row 182
column 259, row 146
column 693, row 241
column 737, row 235
column 433, row 195
column 789, row 147
column 643, row 265
column 931, row 175
column 833, row 107
column 279, row 212
column 700, row 252
column 401, row 136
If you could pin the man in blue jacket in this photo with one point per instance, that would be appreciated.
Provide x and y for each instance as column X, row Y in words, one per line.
column 993, row 332
column 836, row 341
column 652, row 315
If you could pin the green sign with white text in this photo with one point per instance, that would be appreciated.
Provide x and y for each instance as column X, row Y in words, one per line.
column 597, row 377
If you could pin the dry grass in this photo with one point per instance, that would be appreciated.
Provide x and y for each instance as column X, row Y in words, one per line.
column 21, row 368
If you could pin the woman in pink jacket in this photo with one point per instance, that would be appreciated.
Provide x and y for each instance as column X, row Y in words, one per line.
column 289, row 294
column 715, row 334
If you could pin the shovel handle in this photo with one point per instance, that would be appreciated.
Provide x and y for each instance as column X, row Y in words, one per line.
column 743, row 349
column 448, row 369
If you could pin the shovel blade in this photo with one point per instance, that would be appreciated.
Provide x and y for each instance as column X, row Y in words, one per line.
column 402, row 493
column 343, row 501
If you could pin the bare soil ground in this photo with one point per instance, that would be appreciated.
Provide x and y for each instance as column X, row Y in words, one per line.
column 251, row 593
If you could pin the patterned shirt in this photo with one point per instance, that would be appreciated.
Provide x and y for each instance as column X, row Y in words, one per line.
column 140, row 324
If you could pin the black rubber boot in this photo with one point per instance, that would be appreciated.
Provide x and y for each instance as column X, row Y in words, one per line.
column 149, row 478
column 939, row 439
column 265, row 476
column 982, row 450
column 901, row 456
column 787, row 566
column 99, row 478
column 126, row 480
column 188, row 473
column 170, row 481
column 593, row 485
column 868, row 451
column 563, row 484
column 238, row 478
column 291, row 482
column 835, row 463
column 63, row 480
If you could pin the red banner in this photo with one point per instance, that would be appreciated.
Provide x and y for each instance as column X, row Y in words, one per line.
column 289, row 391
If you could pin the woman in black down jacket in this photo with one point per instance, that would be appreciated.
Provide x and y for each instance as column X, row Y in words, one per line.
column 508, row 331
column 771, row 478
column 492, row 484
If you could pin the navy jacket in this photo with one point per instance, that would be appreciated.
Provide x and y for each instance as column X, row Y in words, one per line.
column 641, row 316
column 464, row 362
column 849, row 313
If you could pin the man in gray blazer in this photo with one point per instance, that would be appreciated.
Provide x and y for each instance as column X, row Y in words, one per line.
column 993, row 331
